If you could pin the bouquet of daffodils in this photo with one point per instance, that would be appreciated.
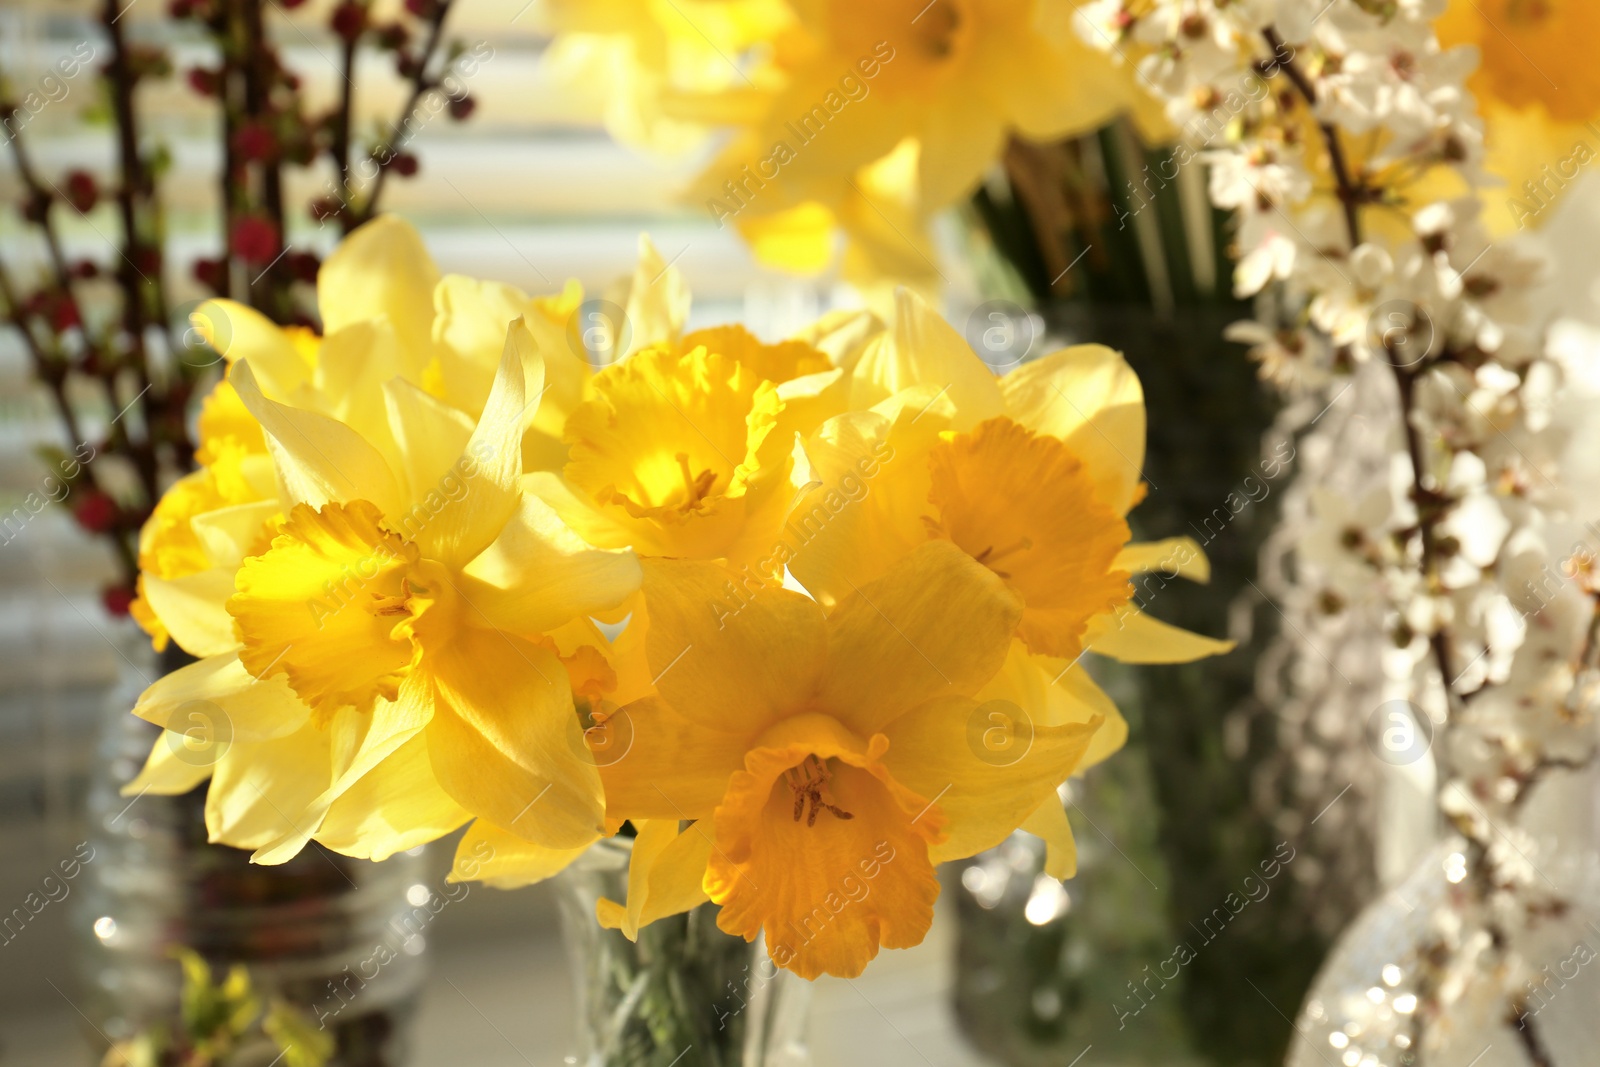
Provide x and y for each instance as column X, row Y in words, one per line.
column 802, row 617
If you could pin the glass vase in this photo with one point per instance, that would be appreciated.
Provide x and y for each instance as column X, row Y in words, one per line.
column 1045, row 969
column 1442, row 971
column 684, row 994
column 341, row 940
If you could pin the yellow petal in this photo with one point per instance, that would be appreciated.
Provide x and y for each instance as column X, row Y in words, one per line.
column 1132, row 636
column 491, row 467
column 325, row 607
column 556, row 324
column 798, row 240
column 654, row 302
column 1049, row 822
column 842, row 335
column 503, row 860
column 353, row 365
column 988, row 765
column 230, row 534
column 429, row 436
column 470, row 325
column 924, row 349
column 506, row 743
column 1172, row 557
column 892, row 645
column 382, row 270
column 776, row 363
column 1056, row 692
column 1059, row 86
column 1089, row 397
column 395, row 806
column 174, row 766
column 224, row 422
column 869, row 492
column 319, row 459
column 193, row 609
column 683, row 456
column 239, row 332
column 354, row 745
column 538, row 574
column 729, row 652
column 958, row 140
column 665, row 875
column 260, row 790
column 666, row 765
column 219, row 690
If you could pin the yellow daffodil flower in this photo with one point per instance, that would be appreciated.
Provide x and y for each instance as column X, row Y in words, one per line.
column 685, row 449
column 1539, row 94
column 401, row 656
column 882, row 115
column 645, row 67
column 827, row 763
column 1032, row 474
column 676, row 455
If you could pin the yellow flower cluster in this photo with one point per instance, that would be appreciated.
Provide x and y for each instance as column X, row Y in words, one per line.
column 806, row 614
column 856, row 118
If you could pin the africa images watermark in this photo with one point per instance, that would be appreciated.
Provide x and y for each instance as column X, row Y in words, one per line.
column 451, row 88
column 452, row 488
column 853, row 889
column 1539, row 994
column 1220, row 112
column 53, row 889
column 1256, row 889
column 400, row 934
column 52, row 89
column 1541, row 192
column 741, row 189
column 52, row 490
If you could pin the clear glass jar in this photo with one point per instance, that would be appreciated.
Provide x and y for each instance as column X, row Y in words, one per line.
column 684, row 995
column 342, row 940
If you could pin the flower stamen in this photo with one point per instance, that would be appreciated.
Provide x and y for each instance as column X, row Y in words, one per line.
column 989, row 557
column 807, row 781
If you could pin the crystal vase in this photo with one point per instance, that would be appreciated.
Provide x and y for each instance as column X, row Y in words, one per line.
column 684, row 994
column 1445, row 969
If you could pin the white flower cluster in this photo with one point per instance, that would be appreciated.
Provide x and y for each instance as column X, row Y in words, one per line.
column 1341, row 135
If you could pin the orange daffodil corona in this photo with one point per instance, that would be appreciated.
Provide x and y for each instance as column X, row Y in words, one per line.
column 852, row 573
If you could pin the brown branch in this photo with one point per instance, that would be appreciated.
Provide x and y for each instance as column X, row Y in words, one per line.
column 269, row 291
column 52, row 373
column 1528, row 1037
column 420, row 83
column 41, row 201
column 340, row 149
column 1352, row 194
column 134, row 182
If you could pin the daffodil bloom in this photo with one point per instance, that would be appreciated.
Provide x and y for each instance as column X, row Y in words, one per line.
column 679, row 454
column 643, row 66
column 827, row 763
column 1032, row 475
column 401, row 656
column 1539, row 94
column 879, row 116
column 388, row 314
